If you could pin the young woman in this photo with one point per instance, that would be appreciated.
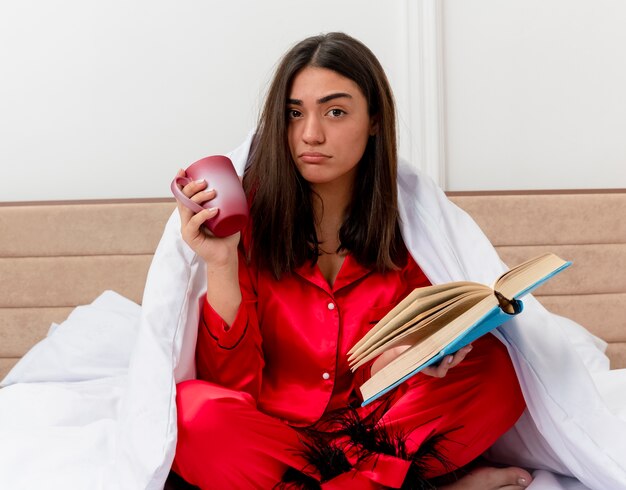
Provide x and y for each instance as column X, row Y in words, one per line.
column 322, row 260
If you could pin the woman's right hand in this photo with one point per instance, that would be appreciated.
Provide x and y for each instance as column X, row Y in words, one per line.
column 216, row 252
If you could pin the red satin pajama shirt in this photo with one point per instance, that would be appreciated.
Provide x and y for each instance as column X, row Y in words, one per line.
column 282, row 365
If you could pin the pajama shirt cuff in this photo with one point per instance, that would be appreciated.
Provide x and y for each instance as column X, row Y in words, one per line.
column 226, row 336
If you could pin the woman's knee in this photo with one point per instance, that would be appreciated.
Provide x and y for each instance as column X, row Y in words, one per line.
column 205, row 407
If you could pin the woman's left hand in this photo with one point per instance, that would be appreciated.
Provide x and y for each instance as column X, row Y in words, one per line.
column 438, row 371
column 448, row 362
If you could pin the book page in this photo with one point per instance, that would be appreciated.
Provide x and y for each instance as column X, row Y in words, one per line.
column 419, row 327
column 418, row 301
column 527, row 276
column 413, row 357
column 442, row 321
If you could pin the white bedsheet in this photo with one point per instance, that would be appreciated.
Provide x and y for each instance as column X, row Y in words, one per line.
column 60, row 404
column 92, row 406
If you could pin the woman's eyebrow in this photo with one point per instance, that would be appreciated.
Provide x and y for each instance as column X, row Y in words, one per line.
column 323, row 100
column 330, row 97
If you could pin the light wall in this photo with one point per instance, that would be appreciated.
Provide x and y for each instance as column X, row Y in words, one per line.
column 109, row 99
column 535, row 93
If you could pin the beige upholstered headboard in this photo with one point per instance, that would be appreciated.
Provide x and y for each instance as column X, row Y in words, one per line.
column 586, row 227
column 55, row 256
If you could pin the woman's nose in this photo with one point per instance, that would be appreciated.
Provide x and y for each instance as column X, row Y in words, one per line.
column 313, row 132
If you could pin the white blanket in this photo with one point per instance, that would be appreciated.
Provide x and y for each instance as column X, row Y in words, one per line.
column 92, row 406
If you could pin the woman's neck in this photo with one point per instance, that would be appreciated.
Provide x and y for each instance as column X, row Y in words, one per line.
column 330, row 204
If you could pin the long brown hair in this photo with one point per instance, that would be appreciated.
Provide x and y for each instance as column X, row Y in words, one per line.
column 282, row 232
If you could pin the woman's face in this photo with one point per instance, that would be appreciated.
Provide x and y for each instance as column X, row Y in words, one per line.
column 328, row 126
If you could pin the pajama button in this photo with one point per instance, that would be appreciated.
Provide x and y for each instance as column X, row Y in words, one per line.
column 331, row 306
column 326, row 376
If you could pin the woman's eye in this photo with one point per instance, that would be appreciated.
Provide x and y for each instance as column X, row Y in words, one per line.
column 293, row 114
column 336, row 112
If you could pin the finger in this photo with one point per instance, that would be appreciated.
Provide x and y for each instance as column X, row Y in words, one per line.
column 199, row 218
column 194, row 187
column 199, row 198
column 204, row 196
column 191, row 230
column 460, row 355
column 193, row 191
column 184, row 212
column 440, row 370
column 444, row 365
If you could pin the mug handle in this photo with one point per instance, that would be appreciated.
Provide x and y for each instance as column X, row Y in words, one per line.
column 178, row 194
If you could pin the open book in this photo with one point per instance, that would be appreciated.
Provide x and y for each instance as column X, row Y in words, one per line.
column 438, row 320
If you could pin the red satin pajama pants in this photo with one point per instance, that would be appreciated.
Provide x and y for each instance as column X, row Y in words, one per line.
column 224, row 442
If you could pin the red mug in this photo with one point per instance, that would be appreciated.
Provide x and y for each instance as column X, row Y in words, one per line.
column 230, row 199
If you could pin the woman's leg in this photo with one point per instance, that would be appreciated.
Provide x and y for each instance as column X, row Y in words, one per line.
column 468, row 409
column 431, row 426
column 225, row 442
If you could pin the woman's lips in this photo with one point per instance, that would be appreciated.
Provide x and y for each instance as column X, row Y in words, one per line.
column 313, row 157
